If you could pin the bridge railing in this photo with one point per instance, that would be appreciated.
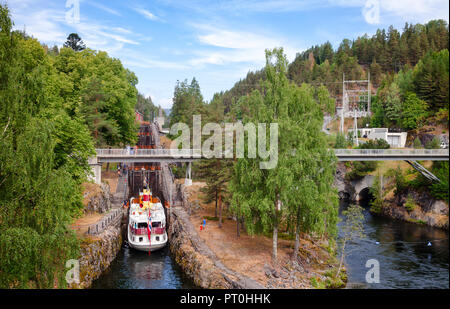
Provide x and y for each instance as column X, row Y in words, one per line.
column 149, row 152
column 398, row 152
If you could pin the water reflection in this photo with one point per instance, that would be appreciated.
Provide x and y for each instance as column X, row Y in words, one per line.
column 134, row 269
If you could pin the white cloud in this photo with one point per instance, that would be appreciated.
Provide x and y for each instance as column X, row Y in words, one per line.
column 391, row 11
column 414, row 11
column 103, row 8
column 237, row 46
column 147, row 14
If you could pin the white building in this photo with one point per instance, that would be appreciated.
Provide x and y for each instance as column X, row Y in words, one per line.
column 395, row 140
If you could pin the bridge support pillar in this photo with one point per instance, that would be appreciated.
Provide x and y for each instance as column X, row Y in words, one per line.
column 96, row 169
column 188, row 180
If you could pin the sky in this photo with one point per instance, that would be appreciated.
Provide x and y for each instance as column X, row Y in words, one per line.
column 217, row 42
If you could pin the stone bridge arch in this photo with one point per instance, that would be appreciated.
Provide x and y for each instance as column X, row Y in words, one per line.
column 361, row 186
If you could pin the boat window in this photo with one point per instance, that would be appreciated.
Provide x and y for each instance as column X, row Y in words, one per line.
column 156, row 224
column 142, row 225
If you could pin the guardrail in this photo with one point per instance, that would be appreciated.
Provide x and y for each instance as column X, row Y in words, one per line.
column 342, row 154
column 100, row 226
column 399, row 152
column 149, row 152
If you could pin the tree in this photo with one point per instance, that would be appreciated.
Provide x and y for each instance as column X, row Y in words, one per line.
column 431, row 79
column 75, row 42
column 265, row 196
column 377, row 190
column 435, row 143
column 352, row 228
column 95, row 113
column 87, row 72
column 413, row 112
column 341, row 141
column 39, row 179
column 393, row 103
column 417, row 143
column 375, row 72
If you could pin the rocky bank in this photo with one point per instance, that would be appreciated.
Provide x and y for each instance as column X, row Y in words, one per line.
column 97, row 252
column 427, row 210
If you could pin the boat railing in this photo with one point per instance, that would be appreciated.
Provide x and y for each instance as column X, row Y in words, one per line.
column 143, row 231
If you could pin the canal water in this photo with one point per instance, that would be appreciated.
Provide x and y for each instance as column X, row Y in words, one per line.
column 401, row 248
column 402, row 251
column 133, row 269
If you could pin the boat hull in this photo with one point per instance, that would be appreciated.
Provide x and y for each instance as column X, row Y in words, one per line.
column 144, row 245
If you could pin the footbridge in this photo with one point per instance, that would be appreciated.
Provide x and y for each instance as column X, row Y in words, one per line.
column 190, row 155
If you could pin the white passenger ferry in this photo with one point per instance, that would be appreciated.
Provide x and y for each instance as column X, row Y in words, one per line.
column 147, row 223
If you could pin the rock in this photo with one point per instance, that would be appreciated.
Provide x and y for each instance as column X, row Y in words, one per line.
column 284, row 275
column 275, row 273
column 267, row 270
column 99, row 201
column 97, row 254
column 439, row 207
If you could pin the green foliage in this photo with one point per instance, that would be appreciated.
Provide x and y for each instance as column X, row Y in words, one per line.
column 409, row 204
column 341, row 141
column 378, row 118
column 431, row 79
column 375, row 144
column 99, row 90
column 75, row 42
column 377, row 190
column 390, row 99
column 398, row 179
column 50, row 102
column 146, row 107
column 413, row 112
column 435, row 143
column 361, row 169
column 417, row 143
column 439, row 190
column 187, row 101
column 302, row 179
column 442, row 116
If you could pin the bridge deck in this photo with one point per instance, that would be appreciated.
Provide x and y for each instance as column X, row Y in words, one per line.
column 189, row 155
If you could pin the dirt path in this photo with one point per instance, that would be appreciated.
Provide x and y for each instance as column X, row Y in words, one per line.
column 248, row 254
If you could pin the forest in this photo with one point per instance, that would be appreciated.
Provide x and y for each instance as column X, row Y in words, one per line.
column 57, row 105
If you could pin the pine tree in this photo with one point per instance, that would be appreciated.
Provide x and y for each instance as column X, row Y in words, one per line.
column 75, row 42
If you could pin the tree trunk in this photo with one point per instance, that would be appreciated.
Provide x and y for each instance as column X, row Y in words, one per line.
column 220, row 211
column 275, row 232
column 274, row 243
column 342, row 259
column 238, row 232
column 107, row 166
column 297, row 236
column 215, row 211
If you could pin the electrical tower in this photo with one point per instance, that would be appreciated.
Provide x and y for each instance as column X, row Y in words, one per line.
column 355, row 101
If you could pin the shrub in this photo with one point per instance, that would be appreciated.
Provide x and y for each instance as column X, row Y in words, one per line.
column 417, row 143
column 340, row 142
column 435, row 143
column 409, row 204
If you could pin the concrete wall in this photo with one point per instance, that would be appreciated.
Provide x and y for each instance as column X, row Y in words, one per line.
column 96, row 170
